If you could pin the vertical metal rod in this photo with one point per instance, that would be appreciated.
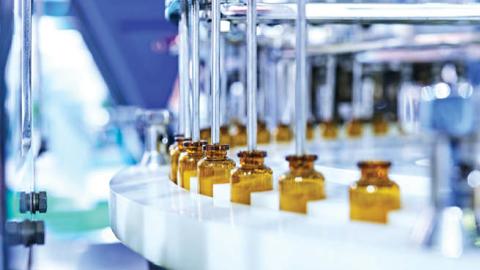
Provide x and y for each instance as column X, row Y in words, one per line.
column 252, row 74
column 185, row 88
column 181, row 75
column 196, row 71
column 215, row 69
column 223, row 82
column 26, row 76
column 301, row 83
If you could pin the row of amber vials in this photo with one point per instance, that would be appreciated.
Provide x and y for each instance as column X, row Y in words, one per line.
column 375, row 194
column 236, row 135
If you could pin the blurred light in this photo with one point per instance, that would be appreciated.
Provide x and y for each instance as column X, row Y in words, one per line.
column 224, row 26
column 442, row 90
column 449, row 74
column 473, row 179
column 465, row 90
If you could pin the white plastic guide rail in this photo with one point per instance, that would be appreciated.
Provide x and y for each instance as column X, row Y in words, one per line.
column 252, row 74
column 424, row 13
column 301, row 79
column 215, row 62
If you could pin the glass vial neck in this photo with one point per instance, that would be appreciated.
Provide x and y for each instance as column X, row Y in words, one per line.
column 216, row 151
column 374, row 169
column 301, row 163
column 252, row 158
column 194, row 148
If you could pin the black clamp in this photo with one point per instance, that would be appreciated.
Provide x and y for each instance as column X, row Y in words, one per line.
column 33, row 202
column 26, row 233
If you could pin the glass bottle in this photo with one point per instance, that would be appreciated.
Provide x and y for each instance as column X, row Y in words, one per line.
column 188, row 161
column 374, row 195
column 175, row 150
column 263, row 134
column 239, row 134
column 380, row 125
column 283, row 133
column 354, row 128
column 329, row 130
column 214, row 168
column 225, row 137
column 205, row 134
column 251, row 176
column 310, row 130
column 301, row 184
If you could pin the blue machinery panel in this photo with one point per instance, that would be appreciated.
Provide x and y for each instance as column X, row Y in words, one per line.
column 130, row 43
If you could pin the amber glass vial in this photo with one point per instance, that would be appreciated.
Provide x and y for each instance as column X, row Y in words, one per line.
column 263, row 134
column 380, row 125
column 374, row 195
column 301, row 184
column 239, row 134
column 214, row 168
column 175, row 150
column 310, row 131
column 225, row 135
column 354, row 128
column 283, row 133
column 251, row 176
column 188, row 161
column 205, row 134
column 329, row 130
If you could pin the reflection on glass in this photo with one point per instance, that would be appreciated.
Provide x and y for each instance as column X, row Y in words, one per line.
column 374, row 195
column 214, row 168
column 301, row 184
column 251, row 176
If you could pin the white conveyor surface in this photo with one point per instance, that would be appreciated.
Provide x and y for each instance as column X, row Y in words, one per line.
column 177, row 229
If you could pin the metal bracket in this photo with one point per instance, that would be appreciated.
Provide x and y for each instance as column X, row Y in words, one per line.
column 26, row 233
column 33, row 202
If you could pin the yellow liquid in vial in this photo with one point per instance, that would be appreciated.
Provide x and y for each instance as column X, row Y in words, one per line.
column 186, row 175
column 310, row 131
column 251, row 176
column 354, row 128
column 263, row 134
column 329, row 130
column 239, row 134
column 283, row 133
column 294, row 196
column 373, row 203
column 380, row 126
column 175, row 151
column 215, row 168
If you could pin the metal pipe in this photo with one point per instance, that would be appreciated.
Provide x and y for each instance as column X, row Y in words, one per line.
column 181, row 73
column 186, row 69
column 215, row 69
column 252, row 74
column 301, row 79
column 195, row 71
column 26, row 77
column 359, row 13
